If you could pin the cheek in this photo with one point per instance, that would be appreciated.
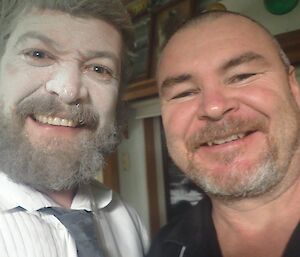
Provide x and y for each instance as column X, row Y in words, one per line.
column 270, row 94
column 178, row 124
column 276, row 105
column 17, row 83
column 179, row 119
column 267, row 101
column 104, row 99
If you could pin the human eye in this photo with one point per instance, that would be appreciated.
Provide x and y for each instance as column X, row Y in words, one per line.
column 38, row 57
column 184, row 94
column 100, row 72
column 241, row 77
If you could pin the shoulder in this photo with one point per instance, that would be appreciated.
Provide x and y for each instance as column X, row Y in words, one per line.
column 181, row 231
column 119, row 215
column 108, row 200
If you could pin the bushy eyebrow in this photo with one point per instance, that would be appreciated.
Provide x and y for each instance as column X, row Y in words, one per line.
column 246, row 57
column 174, row 80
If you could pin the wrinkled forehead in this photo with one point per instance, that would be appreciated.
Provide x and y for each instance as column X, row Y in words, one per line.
column 31, row 17
column 54, row 24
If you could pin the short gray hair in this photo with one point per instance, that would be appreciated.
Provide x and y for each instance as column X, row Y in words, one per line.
column 215, row 14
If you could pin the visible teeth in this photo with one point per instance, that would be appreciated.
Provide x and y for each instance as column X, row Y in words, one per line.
column 55, row 121
column 241, row 135
column 226, row 140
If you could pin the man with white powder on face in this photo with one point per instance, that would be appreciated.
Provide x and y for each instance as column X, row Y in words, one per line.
column 230, row 106
column 62, row 68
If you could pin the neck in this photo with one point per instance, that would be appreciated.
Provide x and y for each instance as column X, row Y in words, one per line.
column 262, row 225
column 63, row 198
column 275, row 203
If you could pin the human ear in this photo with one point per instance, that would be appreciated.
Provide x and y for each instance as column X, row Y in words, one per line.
column 294, row 85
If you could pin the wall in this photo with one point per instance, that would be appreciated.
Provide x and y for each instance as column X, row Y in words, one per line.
column 275, row 23
column 132, row 166
column 132, row 175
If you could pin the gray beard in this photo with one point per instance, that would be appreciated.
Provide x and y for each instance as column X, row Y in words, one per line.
column 244, row 183
column 239, row 182
column 250, row 184
column 62, row 166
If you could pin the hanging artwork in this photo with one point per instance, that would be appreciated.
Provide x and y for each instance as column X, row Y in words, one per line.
column 165, row 21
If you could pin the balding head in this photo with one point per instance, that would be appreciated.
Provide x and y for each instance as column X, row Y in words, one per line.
column 206, row 18
column 227, row 98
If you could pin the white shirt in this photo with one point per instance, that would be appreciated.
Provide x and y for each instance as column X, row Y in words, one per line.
column 25, row 232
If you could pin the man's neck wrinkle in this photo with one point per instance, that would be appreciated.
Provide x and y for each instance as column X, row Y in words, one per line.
column 253, row 214
column 63, row 198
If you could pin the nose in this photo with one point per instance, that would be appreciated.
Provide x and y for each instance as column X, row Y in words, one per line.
column 216, row 103
column 66, row 83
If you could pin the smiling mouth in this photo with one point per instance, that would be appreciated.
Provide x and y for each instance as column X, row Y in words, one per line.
column 57, row 121
column 226, row 140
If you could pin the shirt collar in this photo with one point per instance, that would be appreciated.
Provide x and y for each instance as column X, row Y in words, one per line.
column 13, row 195
column 96, row 192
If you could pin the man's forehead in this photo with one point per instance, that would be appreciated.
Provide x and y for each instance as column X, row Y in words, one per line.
column 54, row 22
column 66, row 34
column 218, row 43
column 39, row 17
column 225, row 25
column 35, row 17
column 218, row 30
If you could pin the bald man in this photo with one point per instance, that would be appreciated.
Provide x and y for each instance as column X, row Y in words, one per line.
column 230, row 105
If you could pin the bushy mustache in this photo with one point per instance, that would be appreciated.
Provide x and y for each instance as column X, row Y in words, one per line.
column 51, row 106
column 218, row 130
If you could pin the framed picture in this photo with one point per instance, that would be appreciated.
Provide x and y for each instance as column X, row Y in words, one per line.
column 136, row 7
column 181, row 193
column 140, row 68
column 165, row 21
column 156, row 3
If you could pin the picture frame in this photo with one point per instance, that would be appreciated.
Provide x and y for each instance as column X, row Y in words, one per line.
column 165, row 22
column 157, row 3
column 140, row 59
column 137, row 8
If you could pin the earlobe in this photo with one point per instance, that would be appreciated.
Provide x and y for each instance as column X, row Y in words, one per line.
column 294, row 85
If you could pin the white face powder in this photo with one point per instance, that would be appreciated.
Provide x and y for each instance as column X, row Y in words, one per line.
column 52, row 55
